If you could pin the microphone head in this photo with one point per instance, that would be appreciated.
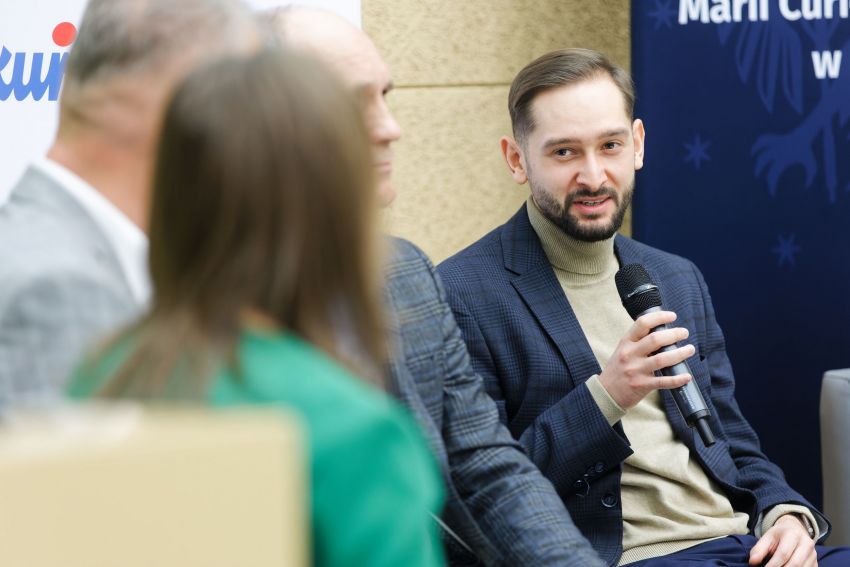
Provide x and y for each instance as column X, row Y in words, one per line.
column 637, row 292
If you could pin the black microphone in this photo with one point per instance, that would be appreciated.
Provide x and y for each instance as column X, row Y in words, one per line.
column 640, row 296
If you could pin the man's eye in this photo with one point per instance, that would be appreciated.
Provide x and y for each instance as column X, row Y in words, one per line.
column 611, row 145
column 563, row 152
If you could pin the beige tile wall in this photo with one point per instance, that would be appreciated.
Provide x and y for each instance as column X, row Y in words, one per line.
column 452, row 62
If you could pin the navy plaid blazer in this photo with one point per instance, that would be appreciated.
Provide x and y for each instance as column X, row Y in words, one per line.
column 497, row 501
column 526, row 342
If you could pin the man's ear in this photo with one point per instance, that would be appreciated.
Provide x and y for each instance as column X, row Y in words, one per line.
column 639, row 136
column 512, row 153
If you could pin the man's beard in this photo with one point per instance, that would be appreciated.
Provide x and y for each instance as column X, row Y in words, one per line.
column 559, row 213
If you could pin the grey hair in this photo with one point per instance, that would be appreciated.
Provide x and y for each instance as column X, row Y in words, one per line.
column 274, row 21
column 270, row 22
column 127, row 37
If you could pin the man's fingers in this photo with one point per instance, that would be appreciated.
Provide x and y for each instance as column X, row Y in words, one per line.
column 783, row 552
column 670, row 382
column 667, row 359
column 801, row 555
column 665, row 337
column 762, row 548
column 804, row 553
column 644, row 324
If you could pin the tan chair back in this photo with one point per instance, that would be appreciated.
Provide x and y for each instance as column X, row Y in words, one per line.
column 126, row 487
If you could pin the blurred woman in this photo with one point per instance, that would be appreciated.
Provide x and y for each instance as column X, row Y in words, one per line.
column 262, row 256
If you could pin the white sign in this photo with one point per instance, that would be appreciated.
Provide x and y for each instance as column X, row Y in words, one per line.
column 35, row 37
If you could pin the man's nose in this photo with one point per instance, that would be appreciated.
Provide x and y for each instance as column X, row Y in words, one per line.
column 385, row 129
column 591, row 174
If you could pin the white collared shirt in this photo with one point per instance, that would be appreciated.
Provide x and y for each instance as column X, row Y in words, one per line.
column 127, row 240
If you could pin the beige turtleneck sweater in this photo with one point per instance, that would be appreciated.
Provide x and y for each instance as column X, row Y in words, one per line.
column 668, row 501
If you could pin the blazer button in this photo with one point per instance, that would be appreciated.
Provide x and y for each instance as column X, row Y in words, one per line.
column 599, row 467
column 581, row 487
column 609, row 500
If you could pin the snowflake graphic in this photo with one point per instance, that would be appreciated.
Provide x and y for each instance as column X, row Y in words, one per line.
column 663, row 14
column 786, row 250
column 697, row 151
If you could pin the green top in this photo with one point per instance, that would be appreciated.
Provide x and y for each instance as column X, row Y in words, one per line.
column 373, row 480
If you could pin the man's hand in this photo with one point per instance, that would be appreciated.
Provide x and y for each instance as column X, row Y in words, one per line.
column 629, row 374
column 786, row 543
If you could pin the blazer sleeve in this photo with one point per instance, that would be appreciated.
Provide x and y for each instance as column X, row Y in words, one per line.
column 571, row 442
column 45, row 327
column 516, row 507
column 755, row 471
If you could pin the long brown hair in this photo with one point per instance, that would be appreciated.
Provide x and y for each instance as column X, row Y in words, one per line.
column 263, row 201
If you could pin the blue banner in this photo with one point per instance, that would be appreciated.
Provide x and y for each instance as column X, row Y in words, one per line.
column 746, row 106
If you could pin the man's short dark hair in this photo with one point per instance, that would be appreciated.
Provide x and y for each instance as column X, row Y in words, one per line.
column 557, row 69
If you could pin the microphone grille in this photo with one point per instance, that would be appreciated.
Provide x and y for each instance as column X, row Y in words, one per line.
column 631, row 277
column 628, row 279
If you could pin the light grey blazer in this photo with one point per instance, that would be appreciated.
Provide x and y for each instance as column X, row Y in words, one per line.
column 61, row 289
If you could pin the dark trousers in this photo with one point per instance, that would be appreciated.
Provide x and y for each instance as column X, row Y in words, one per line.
column 734, row 551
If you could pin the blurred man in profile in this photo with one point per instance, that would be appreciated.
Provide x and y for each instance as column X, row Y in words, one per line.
column 72, row 235
column 499, row 510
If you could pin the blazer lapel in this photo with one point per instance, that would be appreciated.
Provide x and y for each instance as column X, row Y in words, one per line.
column 539, row 289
